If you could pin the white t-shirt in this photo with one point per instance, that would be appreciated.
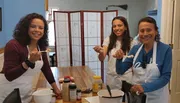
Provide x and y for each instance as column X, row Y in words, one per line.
column 112, row 78
column 111, row 60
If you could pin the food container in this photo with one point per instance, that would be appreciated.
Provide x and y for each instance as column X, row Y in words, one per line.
column 42, row 96
column 104, row 96
column 97, row 84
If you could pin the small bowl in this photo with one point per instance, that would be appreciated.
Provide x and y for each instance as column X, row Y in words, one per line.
column 104, row 96
column 42, row 96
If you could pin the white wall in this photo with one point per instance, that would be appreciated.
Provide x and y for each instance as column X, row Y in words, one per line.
column 12, row 11
column 136, row 8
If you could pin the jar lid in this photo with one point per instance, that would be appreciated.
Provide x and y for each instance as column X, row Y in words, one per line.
column 66, row 80
column 97, row 77
column 78, row 90
column 72, row 86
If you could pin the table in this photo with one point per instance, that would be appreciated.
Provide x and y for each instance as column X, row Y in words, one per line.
column 83, row 77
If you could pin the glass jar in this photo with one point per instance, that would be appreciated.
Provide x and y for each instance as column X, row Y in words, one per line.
column 65, row 90
column 78, row 94
column 97, row 84
column 72, row 92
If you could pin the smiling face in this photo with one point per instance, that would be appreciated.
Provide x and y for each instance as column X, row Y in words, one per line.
column 147, row 33
column 36, row 29
column 118, row 27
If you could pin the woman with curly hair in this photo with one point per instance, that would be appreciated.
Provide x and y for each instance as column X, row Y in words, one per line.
column 23, row 59
column 119, row 39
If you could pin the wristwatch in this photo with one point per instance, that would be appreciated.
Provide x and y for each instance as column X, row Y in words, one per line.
column 29, row 64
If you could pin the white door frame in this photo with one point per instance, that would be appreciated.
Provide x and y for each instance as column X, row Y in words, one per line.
column 170, row 21
column 166, row 21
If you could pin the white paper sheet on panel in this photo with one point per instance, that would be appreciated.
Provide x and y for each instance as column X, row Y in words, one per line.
column 62, row 39
column 92, row 38
column 108, row 17
column 76, row 39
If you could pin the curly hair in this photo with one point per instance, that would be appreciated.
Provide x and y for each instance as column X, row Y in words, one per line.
column 126, row 39
column 20, row 32
column 153, row 21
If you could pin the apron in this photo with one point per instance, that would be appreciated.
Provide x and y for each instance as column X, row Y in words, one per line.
column 149, row 74
column 24, row 83
column 113, row 79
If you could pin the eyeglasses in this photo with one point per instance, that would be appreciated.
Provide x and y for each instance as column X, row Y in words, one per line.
column 144, row 63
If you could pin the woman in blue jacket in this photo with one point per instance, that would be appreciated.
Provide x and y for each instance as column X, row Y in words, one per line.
column 151, row 63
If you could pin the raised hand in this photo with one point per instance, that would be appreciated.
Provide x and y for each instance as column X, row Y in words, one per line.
column 98, row 49
column 34, row 55
column 118, row 54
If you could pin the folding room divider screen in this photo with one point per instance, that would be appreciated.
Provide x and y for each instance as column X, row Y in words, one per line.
column 77, row 32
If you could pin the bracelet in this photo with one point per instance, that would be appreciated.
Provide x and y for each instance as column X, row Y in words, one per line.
column 29, row 64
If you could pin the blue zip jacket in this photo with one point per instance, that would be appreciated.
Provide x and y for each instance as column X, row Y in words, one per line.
column 163, row 60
